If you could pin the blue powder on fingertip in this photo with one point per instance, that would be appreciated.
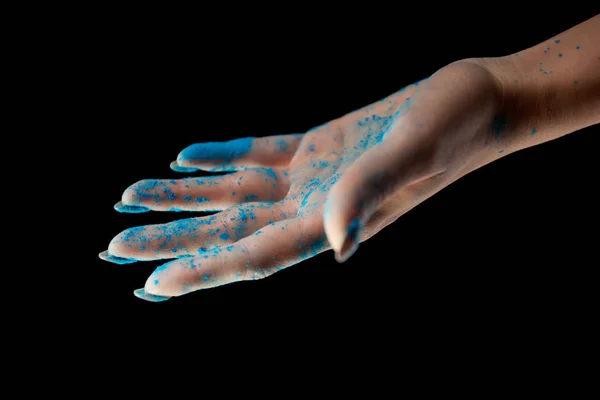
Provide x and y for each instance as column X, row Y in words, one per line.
column 141, row 293
column 122, row 208
column 218, row 151
column 177, row 168
column 106, row 256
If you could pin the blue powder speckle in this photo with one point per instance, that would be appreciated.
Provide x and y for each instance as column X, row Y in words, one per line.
column 282, row 145
column 533, row 132
column 224, row 236
column 250, row 197
column 498, row 125
column 311, row 147
column 576, row 47
column 201, row 200
column 557, row 41
column 156, row 281
column 560, row 54
column 187, row 198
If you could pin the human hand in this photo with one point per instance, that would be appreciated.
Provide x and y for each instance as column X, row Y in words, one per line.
column 291, row 197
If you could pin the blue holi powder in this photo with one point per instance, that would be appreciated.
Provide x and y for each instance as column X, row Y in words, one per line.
column 172, row 182
column 533, row 131
column 498, row 125
column 205, row 278
column 250, row 197
column 169, row 193
column 156, row 281
column 232, row 193
column 311, row 147
column 201, row 200
column 142, row 248
column 187, row 198
column 501, row 151
column 282, row 145
column 201, row 250
column 270, row 173
column 557, row 41
column 323, row 164
column 353, row 229
column 115, row 259
column 218, row 151
column 228, row 248
column 141, row 293
column 576, row 47
column 224, row 236
column 560, row 54
column 122, row 208
column 177, row 168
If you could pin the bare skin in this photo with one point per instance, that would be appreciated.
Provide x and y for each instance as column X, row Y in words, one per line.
column 290, row 197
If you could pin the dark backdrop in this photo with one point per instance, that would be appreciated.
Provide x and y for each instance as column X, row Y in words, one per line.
column 514, row 241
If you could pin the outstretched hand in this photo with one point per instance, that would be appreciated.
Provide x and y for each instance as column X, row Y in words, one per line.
column 287, row 198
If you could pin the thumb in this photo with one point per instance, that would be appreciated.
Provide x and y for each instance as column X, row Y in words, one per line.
column 366, row 184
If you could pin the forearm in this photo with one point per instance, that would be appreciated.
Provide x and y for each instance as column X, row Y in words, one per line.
column 551, row 89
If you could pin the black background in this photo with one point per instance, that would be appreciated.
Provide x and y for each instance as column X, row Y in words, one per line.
column 510, row 244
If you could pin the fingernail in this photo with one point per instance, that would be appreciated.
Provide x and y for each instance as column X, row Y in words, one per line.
column 175, row 167
column 351, row 242
column 115, row 259
column 122, row 208
column 141, row 294
column 217, row 151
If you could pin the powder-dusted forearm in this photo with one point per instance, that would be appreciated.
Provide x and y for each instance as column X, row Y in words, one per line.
column 551, row 89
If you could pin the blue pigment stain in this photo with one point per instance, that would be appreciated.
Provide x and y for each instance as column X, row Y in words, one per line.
column 311, row 147
column 224, row 236
column 187, row 198
column 122, row 208
column 576, row 47
column 501, row 151
column 250, row 197
column 177, row 168
column 560, row 54
column 533, row 132
column 224, row 152
column 498, row 125
column 156, row 281
column 172, row 182
column 353, row 229
column 270, row 173
column 141, row 293
column 557, row 41
column 201, row 200
column 282, row 145
column 116, row 259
